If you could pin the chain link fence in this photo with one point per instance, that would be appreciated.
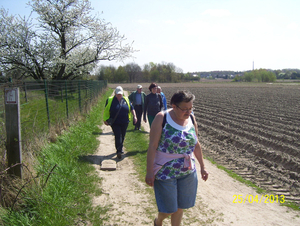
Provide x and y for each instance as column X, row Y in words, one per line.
column 48, row 105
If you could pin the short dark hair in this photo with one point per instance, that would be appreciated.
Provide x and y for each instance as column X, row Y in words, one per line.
column 182, row 96
column 152, row 85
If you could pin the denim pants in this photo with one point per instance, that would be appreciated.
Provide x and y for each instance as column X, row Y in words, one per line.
column 119, row 132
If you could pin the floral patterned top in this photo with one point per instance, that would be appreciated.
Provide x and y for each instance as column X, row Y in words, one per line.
column 176, row 139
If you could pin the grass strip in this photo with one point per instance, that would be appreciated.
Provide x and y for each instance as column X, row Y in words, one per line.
column 66, row 183
column 136, row 144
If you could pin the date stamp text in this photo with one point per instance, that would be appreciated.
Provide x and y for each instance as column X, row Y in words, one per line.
column 258, row 199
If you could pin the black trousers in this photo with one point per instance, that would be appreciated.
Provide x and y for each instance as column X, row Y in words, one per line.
column 119, row 132
column 138, row 111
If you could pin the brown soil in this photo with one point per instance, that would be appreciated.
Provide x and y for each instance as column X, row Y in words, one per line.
column 252, row 130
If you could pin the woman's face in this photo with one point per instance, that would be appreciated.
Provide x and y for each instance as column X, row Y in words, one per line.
column 154, row 90
column 183, row 109
column 119, row 96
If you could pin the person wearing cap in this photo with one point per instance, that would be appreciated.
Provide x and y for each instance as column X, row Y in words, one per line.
column 159, row 90
column 118, row 110
column 153, row 104
column 137, row 99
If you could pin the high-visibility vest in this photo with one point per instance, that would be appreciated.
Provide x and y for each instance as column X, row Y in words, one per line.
column 106, row 113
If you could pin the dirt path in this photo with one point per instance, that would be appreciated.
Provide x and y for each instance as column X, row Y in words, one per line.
column 130, row 204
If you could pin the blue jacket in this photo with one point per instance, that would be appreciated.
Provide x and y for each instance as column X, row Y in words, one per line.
column 164, row 100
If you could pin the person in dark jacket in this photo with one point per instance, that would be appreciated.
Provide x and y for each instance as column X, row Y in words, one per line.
column 119, row 111
column 153, row 104
column 137, row 98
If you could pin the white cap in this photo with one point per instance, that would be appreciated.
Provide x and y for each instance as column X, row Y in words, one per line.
column 119, row 90
column 139, row 86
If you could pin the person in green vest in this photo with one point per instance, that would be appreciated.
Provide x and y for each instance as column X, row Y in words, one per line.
column 117, row 114
column 137, row 99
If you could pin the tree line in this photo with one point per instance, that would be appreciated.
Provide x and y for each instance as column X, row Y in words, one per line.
column 267, row 75
column 132, row 72
column 260, row 75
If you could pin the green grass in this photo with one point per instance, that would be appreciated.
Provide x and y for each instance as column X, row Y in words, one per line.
column 136, row 144
column 34, row 117
column 66, row 184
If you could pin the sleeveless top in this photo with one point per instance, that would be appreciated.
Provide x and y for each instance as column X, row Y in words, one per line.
column 176, row 139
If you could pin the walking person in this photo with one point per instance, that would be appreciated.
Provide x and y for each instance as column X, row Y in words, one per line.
column 117, row 113
column 137, row 99
column 159, row 90
column 171, row 156
column 153, row 104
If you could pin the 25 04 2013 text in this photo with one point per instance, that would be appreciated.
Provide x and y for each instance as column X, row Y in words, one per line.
column 257, row 199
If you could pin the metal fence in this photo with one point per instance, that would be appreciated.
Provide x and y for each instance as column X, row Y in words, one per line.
column 47, row 103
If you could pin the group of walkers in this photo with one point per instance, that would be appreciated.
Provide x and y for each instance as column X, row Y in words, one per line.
column 148, row 105
column 173, row 145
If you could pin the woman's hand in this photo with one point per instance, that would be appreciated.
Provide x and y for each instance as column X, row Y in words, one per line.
column 149, row 179
column 106, row 123
column 204, row 174
column 134, row 120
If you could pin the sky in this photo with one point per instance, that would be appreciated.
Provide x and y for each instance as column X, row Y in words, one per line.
column 202, row 35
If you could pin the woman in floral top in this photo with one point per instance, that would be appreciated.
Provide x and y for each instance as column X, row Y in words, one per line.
column 170, row 159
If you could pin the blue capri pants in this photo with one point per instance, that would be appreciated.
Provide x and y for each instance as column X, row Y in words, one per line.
column 173, row 194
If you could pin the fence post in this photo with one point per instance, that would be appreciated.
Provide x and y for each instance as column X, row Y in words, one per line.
column 25, row 87
column 61, row 92
column 47, row 104
column 13, row 130
column 91, row 91
column 67, row 107
column 79, row 96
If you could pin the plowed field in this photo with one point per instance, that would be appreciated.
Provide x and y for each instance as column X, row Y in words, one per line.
column 253, row 130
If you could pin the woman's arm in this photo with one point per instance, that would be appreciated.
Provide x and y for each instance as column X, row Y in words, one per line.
column 155, row 134
column 199, row 155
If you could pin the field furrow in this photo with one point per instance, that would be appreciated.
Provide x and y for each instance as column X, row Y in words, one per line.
column 255, row 133
column 290, row 133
